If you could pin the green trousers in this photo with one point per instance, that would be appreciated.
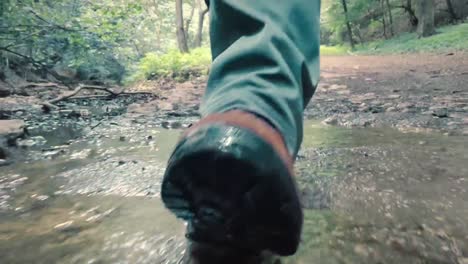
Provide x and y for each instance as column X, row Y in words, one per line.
column 265, row 61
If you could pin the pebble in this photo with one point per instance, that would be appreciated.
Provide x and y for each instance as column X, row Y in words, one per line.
column 440, row 113
column 64, row 226
column 42, row 197
column 171, row 125
column 3, row 162
column 391, row 109
column 25, row 143
column 330, row 121
column 40, row 140
column 361, row 249
column 11, row 128
column 52, row 154
column 405, row 105
column 394, row 96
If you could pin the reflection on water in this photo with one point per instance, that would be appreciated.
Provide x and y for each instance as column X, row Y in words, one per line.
column 371, row 196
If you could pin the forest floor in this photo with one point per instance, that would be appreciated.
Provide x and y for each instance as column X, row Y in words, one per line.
column 382, row 171
column 408, row 92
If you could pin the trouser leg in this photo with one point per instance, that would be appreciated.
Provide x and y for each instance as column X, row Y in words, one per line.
column 265, row 61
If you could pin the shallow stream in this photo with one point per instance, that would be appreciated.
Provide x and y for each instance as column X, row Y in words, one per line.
column 371, row 196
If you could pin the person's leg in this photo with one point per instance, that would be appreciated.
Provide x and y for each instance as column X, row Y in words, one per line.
column 231, row 175
column 265, row 60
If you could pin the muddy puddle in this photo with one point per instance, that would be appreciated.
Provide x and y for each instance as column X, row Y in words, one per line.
column 371, row 196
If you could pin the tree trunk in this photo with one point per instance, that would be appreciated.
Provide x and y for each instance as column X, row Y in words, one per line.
column 390, row 18
column 357, row 31
column 188, row 22
column 411, row 13
column 201, row 22
column 425, row 13
column 384, row 22
column 453, row 15
column 180, row 31
column 348, row 25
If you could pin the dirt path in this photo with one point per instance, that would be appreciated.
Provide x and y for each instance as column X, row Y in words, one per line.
column 410, row 92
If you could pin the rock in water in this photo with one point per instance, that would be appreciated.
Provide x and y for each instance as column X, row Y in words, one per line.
column 440, row 113
column 4, row 90
column 11, row 129
column 333, row 120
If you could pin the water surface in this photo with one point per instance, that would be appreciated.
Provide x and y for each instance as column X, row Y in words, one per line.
column 371, row 196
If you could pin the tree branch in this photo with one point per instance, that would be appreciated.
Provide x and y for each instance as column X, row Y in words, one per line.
column 50, row 23
column 40, row 18
column 35, row 63
column 86, row 87
column 29, row 59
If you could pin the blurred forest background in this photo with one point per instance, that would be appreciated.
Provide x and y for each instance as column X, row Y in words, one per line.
column 123, row 41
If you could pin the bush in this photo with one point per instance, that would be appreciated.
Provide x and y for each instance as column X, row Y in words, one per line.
column 173, row 64
column 333, row 50
column 183, row 66
column 448, row 39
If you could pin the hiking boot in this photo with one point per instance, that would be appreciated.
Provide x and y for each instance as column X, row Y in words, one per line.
column 198, row 253
column 231, row 178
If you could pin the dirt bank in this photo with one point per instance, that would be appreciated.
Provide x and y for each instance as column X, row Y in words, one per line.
column 410, row 92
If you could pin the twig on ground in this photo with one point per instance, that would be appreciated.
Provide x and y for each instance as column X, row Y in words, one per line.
column 67, row 95
column 98, row 124
column 51, row 104
column 48, row 106
column 48, row 84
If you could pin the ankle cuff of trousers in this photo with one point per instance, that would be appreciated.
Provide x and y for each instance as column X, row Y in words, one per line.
column 253, row 123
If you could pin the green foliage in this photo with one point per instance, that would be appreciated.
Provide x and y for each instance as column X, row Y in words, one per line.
column 104, row 39
column 67, row 34
column 95, row 38
column 360, row 14
column 372, row 20
column 182, row 66
column 333, row 50
column 448, row 39
column 174, row 64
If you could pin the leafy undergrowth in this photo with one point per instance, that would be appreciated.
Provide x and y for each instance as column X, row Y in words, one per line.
column 333, row 50
column 447, row 39
column 173, row 64
column 183, row 66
